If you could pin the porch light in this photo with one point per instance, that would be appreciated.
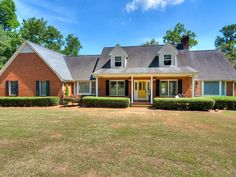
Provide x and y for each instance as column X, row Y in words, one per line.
column 154, row 80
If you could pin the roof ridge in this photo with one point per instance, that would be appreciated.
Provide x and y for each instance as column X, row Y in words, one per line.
column 45, row 48
column 138, row 46
column 216, row 50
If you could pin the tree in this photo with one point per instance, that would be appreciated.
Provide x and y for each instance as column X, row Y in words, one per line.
column 227, row 42
column 72, row 46
column 34, row 30
column 151, row 42
column 4, row 45
column 37, row 31
column 8, row 18
column 175, row 36
column 53, row 39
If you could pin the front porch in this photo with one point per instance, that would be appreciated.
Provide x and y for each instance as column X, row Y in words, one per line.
column 142, row 90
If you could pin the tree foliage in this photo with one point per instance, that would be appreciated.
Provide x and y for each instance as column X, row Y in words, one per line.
column 8, row 18
column 72, row 46
column 227, row 42
column 151, row 42
column 175, row 36
column 4, row 45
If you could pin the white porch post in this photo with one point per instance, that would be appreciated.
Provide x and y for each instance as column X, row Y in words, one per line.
column 202, row 88
column 220, row 88
column 151, row 90
column 132, row 89
column 234, row 88
column 78, row 88
column 193, row 86
column 96, row 86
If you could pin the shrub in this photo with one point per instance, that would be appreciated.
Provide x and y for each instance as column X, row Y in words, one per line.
column 197, row 104
column 28, row 101
column 225, row 102
column 106, row 102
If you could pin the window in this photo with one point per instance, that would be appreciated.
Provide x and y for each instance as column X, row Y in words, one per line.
column 42, row 88
column 84, row 87
column 13, row 88
column 117, row 88
column 212, row 88
column 168, row 88
column 93, row 88
column 87, row 88
column 118, row 62
column 167, row 60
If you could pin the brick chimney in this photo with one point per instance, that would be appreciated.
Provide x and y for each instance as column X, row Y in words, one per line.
column 185, row 42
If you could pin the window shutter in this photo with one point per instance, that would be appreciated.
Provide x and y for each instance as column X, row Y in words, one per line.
column 37, row 88
column 157, row 88
column 17, row 88
column 48, row 88
column 7, row 88
column 180, row 86
column 126, row 87
column 107, row 87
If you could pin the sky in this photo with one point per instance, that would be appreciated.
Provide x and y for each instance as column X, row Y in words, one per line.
column 103, row 23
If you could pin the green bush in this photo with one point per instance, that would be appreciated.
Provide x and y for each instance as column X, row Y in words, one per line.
column 197, row 104
column 29, row 101
column 106, row 102
column 225, row 102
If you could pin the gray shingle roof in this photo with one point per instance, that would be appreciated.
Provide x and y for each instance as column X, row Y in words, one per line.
column 211, row 64
column 55, row 60
column 82, row 67
column 139, row 56
column 145, row 70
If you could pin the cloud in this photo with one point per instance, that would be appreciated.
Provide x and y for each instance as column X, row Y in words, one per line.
column 150, row 4
column 46, row 9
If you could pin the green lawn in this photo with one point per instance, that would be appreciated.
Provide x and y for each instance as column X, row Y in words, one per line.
column 113, row 142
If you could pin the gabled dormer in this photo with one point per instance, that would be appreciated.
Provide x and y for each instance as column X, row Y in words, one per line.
column 118, row 57
column 167, row 55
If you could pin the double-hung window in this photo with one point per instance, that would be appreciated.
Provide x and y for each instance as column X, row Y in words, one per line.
column 42, row 88
column 12, row 88
column 117, row 88
column 168, row 88
column 87, row 88
column 118, row 62
column 167, row 60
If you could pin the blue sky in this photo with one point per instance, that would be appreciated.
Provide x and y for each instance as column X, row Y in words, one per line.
column 100, row 23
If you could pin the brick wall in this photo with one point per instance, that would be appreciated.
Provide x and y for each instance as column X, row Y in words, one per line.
column 229, row 88
column 27, row 68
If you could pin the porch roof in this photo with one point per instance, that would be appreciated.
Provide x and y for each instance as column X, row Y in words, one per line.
column 143, row 70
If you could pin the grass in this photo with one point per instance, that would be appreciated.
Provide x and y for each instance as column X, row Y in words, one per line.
column 113, row 142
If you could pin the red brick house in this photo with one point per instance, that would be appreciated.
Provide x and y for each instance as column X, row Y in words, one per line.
column 138, row 72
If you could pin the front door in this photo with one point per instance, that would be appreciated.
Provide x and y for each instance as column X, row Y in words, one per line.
column 141, row 90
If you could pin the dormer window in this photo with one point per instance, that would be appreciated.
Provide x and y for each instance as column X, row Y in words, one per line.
column 118, row 62
column 167, row 60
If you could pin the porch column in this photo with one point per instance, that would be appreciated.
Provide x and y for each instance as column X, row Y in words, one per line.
column 193, row 86
column 220, row 88
column 233, row 87
column 151, row 97
column 96, row 86
column 132, row 89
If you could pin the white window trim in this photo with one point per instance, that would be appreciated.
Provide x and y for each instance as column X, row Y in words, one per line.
column 116, row 88
column 220, row 88
column 169, row 86
column 90, row 88
column 167, row 60
column 40, row 91
column 120, row 61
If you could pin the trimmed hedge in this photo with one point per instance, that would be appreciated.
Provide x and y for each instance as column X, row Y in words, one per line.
column 29, row 101
column 225, row 102
column 105, row 102
column 195, row 104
